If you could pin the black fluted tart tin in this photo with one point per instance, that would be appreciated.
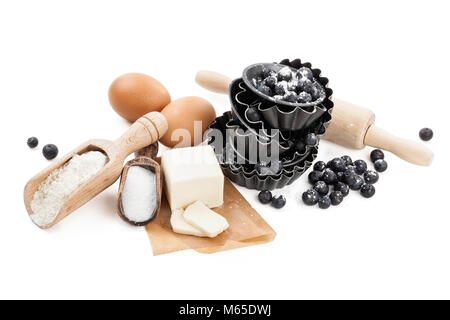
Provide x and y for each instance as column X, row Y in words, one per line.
column 280, row 114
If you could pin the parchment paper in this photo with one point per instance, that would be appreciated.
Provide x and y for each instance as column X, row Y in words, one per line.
column 247, row 228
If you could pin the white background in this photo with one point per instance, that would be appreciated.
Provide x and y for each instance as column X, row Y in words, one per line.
column 57, row 59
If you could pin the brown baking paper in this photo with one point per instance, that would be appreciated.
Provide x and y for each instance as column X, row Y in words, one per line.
column 247, row 228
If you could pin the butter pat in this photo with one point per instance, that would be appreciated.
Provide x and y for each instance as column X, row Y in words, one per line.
column 203, row 218
column 179, row 225
column 192, row 174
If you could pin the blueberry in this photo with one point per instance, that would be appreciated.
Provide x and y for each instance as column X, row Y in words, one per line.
column 292, row 85
column 349, row 176
column 376, row 154
column 337, row 165
column 319, row 166
column 265, row 72
column 340, row 176
column 280, row 88
column 351, row 168
column 329, row 177
column 270, row 81
column 304, row 97
column 32, row 142
column 311, row 139
column 278, row 202
column 305, row 73
column 253, row 114
column 357, row 183
column 290, row 96
column 336, row 198
column 310, row 197
column 342, row 188
column 315, row 176
column 50, row 151
column 370, row 177
column 306, row 86
column 324, row 202
column 380, row 165
column 284, row 74
column 300, row 146
column 348, row 161
column 322, row 188
column 426, row 134
column 265, row 89
column 265, row 196
column 269, row 169
column 360, row 166
column 316, row 91
column 367, row 190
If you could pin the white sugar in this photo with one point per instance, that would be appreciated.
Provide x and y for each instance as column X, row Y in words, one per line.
column 53, row 192
column 139, row 194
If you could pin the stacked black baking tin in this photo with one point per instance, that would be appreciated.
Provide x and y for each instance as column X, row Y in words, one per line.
column 282, row 126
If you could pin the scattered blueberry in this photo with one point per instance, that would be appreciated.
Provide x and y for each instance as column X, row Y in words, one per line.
column 304, row 97
column 278, row 202
column 322, row 188
column 370, row 177
column 324, row 202
column 265, row 89
column 50, row 151
column 290, row 96
column 380, row 165
column 342, row 188
column 300, row 146
column 426, row 134
column 329, row 177
column 360, row 166
column 32, row 142
column 305, row 73
column 253, row 114
column 311, row 139
column 337, row 165
column 348, row 161
column 367, row 190
column 336, row 198
column 357, row 183
column 265, row 196
column 284, row 74
column 315, row 176
column 340, row 176
column 349, row 176
column 310, row 197
column 376, row 154
column 319, row 166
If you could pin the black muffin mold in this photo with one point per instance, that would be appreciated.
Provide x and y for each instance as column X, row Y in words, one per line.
column 244, row 173
column 281, row 114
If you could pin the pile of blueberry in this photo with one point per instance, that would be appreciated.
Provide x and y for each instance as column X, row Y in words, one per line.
column 297, row 86
column 340, row 175
column 50, row 151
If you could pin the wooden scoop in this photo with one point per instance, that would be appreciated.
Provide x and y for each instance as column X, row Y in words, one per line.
column 352, row 126
column 145, row 131
column 144, row 158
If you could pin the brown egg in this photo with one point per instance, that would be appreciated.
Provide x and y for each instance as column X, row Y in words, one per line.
column 181, row 114
column 134, row 94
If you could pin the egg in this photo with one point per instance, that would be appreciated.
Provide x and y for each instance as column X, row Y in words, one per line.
column 181, row 115
column 134, row 94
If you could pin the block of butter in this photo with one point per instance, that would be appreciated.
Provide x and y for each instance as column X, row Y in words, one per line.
column 192, row 174
column 201, row 217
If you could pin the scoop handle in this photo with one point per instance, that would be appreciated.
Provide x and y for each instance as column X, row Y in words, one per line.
column 145, row 131
column 408, row 150
column 213, row 81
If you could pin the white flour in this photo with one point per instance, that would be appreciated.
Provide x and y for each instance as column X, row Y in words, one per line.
column 56, row 189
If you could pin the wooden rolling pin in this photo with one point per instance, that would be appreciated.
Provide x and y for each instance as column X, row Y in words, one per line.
column 145, row 131
column 352, row 126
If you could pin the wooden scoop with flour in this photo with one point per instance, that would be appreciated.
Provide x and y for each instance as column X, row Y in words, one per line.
column 145, row 131
column 351, row 126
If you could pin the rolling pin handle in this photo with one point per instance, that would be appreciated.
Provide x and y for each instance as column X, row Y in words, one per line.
column 408, row 150
column 213, row 81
